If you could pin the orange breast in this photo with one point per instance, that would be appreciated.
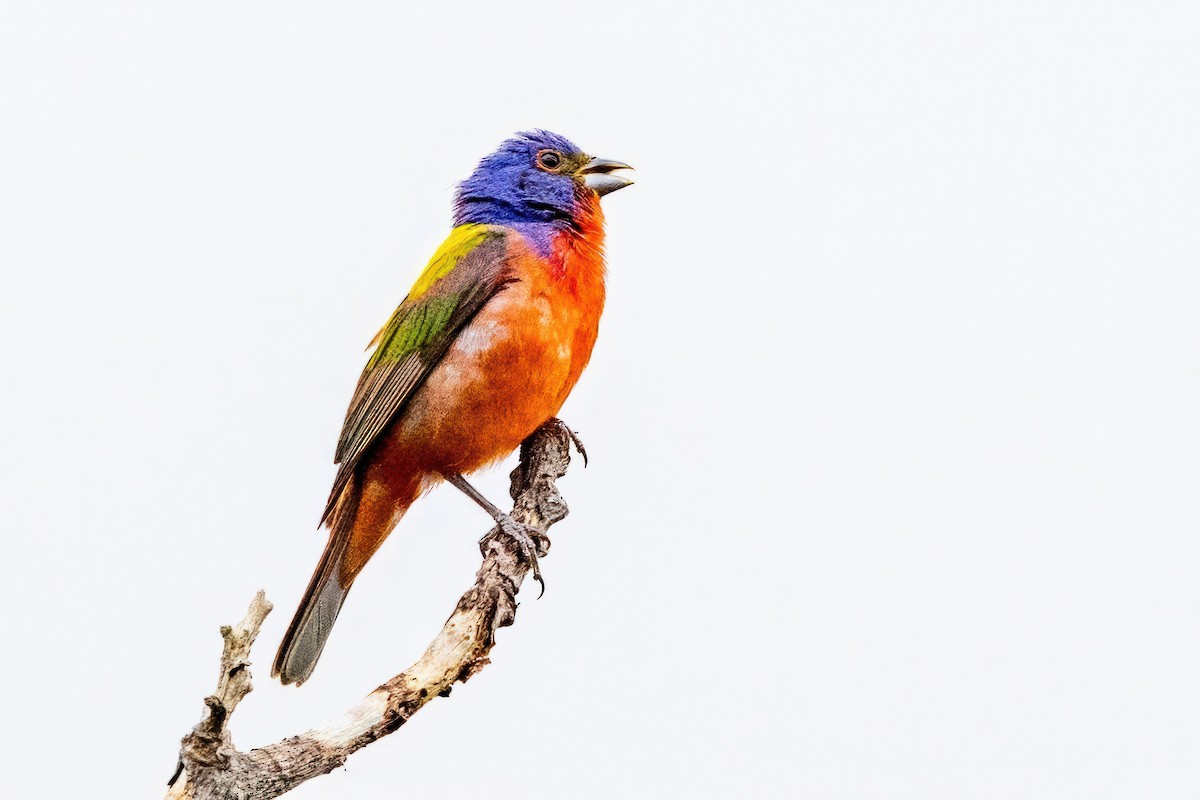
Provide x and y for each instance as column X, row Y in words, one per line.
column 509, row 370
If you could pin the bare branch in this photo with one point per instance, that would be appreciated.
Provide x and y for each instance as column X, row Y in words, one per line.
column 210, row 767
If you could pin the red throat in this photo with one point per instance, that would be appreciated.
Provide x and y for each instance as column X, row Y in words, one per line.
column 577, row 255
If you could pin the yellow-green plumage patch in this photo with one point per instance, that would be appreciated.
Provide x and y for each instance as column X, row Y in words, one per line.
column 426, row 311
column 418, row 327
column 461, row 241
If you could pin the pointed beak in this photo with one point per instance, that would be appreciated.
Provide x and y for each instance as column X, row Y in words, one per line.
column 597, row 176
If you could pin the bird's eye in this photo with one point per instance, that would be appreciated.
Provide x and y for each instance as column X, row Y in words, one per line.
column 548, row 159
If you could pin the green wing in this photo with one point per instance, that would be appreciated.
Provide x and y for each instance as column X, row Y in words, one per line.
column 467, row 271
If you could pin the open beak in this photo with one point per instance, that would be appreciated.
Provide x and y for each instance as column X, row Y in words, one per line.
column 597, row 176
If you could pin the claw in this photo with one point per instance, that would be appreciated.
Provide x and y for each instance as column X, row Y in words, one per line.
column 575, row 439
column 578, row 445
column 537, row 576
column 521, row 535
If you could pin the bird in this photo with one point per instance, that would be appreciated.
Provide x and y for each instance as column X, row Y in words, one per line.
column 485, row 348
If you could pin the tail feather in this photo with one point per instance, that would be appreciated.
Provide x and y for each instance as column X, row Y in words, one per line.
column 323, row 599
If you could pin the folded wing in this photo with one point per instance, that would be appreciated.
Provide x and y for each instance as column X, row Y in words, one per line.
column 467, row 271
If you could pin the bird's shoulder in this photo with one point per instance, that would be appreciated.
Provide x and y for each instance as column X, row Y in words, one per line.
column 471, row 247
column 474, row 257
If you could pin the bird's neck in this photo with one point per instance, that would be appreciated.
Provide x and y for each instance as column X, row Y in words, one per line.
column 570, row 244
column 537, row 230
column 559, row 240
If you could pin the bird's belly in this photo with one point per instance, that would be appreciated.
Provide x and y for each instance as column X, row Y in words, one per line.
column 508, row 371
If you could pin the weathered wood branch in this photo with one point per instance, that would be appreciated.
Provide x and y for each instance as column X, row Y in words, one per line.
column 210, row 767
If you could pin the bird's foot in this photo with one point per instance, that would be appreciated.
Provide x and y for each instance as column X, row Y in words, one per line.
column 531, row 541
column 574, row 438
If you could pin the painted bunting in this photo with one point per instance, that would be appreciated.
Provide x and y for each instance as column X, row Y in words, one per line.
column 485, row 348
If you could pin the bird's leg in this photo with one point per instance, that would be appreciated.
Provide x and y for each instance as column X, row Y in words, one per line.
column 507, row 524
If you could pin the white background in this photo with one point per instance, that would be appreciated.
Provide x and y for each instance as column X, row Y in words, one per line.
column 893, row 418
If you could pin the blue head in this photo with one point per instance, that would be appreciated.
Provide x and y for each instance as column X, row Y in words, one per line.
column 538, row 178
